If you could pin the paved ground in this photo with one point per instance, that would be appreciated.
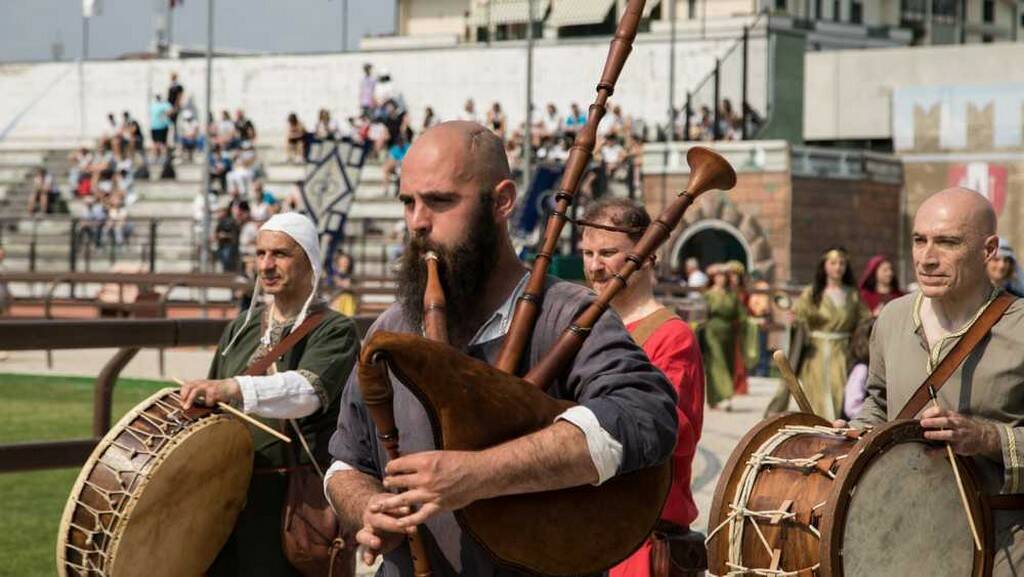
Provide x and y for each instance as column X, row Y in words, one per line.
column 722, row 430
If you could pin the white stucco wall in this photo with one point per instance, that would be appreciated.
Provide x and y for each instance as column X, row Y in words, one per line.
column 848, row 93
column 41, row 101
column 436, row 17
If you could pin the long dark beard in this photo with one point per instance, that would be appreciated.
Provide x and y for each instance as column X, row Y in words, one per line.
column 463, row 270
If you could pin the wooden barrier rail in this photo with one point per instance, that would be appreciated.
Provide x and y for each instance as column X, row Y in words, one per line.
column 128, row 335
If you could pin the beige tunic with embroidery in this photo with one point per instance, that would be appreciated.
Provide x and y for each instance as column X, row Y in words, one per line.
column 989, row 384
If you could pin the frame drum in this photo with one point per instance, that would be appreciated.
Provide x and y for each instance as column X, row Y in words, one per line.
column 799, row 498
column 159, row 495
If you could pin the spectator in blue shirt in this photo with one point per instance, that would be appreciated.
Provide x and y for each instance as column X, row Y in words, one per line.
column 576, row 119
column 159, row 122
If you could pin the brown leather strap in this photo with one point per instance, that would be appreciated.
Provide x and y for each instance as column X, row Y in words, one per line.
column 949, row 364
column 1006, row 502
column 651, row 323
column 661, row 556
column 260, row 366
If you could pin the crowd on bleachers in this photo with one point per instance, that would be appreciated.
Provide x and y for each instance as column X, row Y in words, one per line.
column 729, row 125
column 385, row 128
column 103, row 177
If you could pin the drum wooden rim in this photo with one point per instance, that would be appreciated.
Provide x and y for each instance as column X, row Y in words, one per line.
column 868, row 447
column 87, row 468
column 725, row 491
column 212, row 419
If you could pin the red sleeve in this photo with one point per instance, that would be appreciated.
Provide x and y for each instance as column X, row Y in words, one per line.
column 673, row 349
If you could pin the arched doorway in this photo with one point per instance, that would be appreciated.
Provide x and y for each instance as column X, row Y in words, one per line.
column 717, row 232
column 711, row 241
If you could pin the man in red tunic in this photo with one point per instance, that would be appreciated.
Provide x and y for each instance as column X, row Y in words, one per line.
column 611, row 230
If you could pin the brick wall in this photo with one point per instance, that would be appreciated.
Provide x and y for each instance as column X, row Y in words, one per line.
column 757, row 206
column 863, row 216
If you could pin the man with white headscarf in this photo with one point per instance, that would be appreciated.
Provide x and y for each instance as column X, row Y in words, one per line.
column 305, row 384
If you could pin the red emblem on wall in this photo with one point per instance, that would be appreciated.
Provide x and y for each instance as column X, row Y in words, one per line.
column 987, row 178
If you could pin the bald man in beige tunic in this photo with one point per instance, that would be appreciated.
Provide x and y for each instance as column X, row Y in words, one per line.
column 981, row 407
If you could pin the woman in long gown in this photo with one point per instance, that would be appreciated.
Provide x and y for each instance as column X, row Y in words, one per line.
column 724, row 312
column 737, row 284
column 830, row 309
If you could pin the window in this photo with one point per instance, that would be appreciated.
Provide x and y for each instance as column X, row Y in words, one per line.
column 817, row 9
column 912, row 10
column 944, row 11
column 836, row 10
column 988, row 11
column 856, row 12
column 780, row 5
column 691, row 9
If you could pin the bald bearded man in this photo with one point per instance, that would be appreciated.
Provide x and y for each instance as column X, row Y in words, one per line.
column 981, row 407
column 458, row 196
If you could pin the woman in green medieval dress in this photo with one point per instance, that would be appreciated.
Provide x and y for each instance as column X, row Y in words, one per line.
column 725, row 312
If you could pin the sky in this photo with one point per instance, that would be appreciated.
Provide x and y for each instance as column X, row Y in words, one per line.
column 29, row 29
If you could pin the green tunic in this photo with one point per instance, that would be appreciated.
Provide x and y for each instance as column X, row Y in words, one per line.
column 725, row 311
column 325, row 357
column 824, row 367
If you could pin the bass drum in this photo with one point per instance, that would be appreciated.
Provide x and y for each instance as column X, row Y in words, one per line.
column 159, row 495
column 800, row 498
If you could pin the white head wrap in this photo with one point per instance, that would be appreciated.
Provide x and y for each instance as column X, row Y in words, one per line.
column 303, row 232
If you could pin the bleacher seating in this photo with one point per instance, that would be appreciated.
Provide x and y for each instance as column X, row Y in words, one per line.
column 170, row 201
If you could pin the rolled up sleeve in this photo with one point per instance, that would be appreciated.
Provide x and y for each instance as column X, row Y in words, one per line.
column 353, row 441
column 631, row 399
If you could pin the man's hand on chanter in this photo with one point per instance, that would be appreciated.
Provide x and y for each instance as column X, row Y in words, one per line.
column 380, row 532
column 432, row 482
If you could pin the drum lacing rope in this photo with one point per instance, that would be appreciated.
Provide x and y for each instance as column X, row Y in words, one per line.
column 759, row 459
column 94, row 558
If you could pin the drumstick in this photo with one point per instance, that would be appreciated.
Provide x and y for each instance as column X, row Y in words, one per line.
column 959, row 480
column 791, row 381
column 245, row 417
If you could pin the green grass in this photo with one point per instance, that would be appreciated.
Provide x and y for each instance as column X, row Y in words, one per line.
column 45, row 408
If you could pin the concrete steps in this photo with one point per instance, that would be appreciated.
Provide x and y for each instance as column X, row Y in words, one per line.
column 23, row 157
column 171, row 203
column 14, row 173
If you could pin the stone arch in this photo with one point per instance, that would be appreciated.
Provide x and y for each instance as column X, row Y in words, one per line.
column 716, row 215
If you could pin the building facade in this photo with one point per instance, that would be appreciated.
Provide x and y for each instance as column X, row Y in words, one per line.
column 789, row 204
column 930, row 22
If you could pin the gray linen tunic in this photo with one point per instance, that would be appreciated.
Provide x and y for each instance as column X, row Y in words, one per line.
column 612, row 377
column 989, row 385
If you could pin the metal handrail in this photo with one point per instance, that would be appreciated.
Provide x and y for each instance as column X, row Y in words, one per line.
column 81, row 254
column 714, row 77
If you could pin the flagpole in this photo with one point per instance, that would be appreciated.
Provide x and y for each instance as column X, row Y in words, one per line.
column 170, row 26
column 204, row 246
column 81, row 73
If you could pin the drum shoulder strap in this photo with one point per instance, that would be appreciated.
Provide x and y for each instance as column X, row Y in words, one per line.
column 949, row 364
column 647, row 326
column 260, row 366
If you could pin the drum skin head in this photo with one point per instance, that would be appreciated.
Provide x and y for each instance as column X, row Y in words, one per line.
column 892, row 508
column 896, row 510
column 905, row 517
column 162, row 512
column 186, row 513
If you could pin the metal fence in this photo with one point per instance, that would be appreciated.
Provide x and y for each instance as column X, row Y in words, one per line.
column 732, row 101
column 86, row 245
